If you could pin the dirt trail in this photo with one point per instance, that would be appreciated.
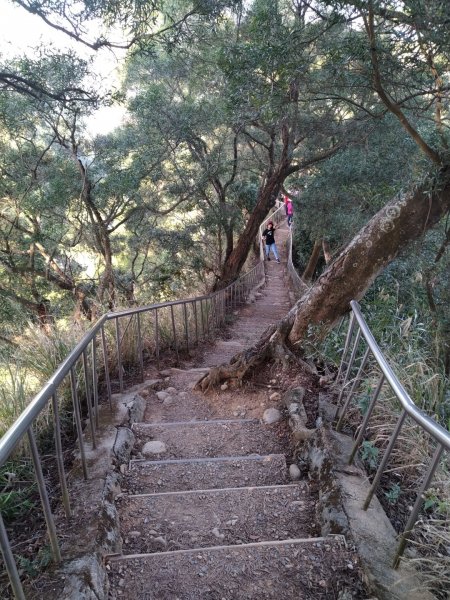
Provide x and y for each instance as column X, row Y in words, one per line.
column 210, row 510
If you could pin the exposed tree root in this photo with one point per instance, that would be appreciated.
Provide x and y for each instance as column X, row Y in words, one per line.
column 273, row 345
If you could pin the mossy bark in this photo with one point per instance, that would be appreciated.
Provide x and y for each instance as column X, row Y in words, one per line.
column 403, row 220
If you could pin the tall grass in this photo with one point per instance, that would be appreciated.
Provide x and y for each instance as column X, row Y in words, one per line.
column 412, row 348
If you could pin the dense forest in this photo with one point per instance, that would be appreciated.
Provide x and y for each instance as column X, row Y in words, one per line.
column 341, row 104
column 226, row 105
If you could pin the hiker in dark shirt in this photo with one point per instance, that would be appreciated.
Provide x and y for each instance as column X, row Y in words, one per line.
column 269, row 239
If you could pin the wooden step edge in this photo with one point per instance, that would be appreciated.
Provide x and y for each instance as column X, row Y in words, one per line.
column 205, row 459
column 198, row 422
column 122, row 557
column 298, row 484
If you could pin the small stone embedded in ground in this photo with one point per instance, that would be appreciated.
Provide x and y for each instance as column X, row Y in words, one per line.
column 166, row 372
column 294, row 472
column 295, row 395
column 134, row 534
column 153, row 447
column 217, row 533
column 152, row 383
column 168, row 401
column 224, row 386
column 183, row 395
column 171, row 390
column 162, row 396
column 271, row 415
column 275, row 396
column 293, row 408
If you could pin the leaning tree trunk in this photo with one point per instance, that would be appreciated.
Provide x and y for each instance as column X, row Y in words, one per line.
column 312, row 262
column 401, row 221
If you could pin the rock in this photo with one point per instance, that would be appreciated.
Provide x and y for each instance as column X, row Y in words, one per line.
column 136, row 409
column 123, row 444
column 154, row 447
column 217, row 533
column 275, row 396
column 152, row 383
column 295, row 395
column 294, row 472
column 301, row 434
column 168, row 401
column 85, row 579
column 224, row 386
column 293, row 408
column 271, row 415
column 161, row 541
column 183, row 395
column 162, row 396
column 166, row 373
column 135, row 534
column 171, row 390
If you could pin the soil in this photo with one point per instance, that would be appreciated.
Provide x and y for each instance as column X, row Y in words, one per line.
column 222, row 430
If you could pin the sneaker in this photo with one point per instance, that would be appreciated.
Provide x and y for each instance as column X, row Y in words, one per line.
column 278, row 260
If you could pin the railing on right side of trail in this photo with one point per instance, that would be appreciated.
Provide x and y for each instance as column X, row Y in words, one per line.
column 359, row 329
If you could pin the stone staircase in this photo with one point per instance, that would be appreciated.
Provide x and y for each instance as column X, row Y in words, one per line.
column 208, row 509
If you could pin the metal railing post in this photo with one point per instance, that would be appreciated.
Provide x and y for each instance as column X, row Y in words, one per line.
column 384, row 461
column 353, row 388
column 95, row 379
column 367, row 416
column 76, row 412
column 51, row 529
column 106, row 365
column 10, row 563
column 417, row 505
column 60, row 457
column 174, row 331
column 157, row 337
column 139, row 346
column 194, row 305
column 88, row 399
column 348, row 338
column 186, row 329
column 119, row 355
column 349, row 368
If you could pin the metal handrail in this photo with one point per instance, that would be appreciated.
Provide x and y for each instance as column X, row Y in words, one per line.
column 209, row 314
column 437, row 432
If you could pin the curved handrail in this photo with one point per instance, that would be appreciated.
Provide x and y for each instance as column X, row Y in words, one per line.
column 434, row 429
column 359, row 327
column 207, row 319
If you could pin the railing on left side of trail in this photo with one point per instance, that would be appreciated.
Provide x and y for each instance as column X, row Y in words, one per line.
column 117, row 341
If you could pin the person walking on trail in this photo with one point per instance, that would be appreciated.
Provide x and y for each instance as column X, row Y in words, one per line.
column 289, row 211
column 269, row 239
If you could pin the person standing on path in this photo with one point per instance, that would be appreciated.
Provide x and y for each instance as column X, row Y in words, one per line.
column 269, row 239
column 289, row 211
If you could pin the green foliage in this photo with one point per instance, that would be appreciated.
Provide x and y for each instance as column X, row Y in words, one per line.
column 17, row 489
column 369, row 454
column 393, row 493
column 34, row 567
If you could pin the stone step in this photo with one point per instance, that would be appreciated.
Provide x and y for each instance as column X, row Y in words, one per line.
column 146, row 477
column 197, row 439
column 202, row 518
column 304, row 569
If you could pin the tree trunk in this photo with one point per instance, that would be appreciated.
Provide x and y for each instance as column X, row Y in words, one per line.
column 312, row 262
column 401, row 221
column 326, row 251
column 237, row 258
